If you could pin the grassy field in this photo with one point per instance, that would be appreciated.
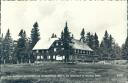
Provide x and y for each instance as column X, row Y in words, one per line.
column 48, row 72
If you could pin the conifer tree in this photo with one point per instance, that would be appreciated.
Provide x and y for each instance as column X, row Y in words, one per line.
column 96, row 45
column 110, row 41
column 107, row 47
column 104, row 46
column 111, row 47
column 125, row 48
column 35, row 35
column 116, row 51
column 7, row 50
column 22, row 47
column 106, row 39
column 96, row 41
column 66, row 42
column 62, row 35
column 53, row 35
column 90, row 40
column 72, row 36
column 82, row 36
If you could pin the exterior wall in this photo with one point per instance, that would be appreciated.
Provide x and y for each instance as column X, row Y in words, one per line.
column 84, row 55
column 56, row 53
column 41, row 54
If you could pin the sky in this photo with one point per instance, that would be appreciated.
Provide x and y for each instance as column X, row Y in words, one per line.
column 93, row 16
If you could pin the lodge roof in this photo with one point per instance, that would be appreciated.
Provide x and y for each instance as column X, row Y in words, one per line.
column 44, row 44
column 76, row 44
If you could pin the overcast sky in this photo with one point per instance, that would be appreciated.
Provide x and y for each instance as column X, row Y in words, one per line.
column 93, row 16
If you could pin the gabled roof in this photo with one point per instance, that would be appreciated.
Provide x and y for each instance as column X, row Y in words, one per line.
column 44, row 44
column 77, row 44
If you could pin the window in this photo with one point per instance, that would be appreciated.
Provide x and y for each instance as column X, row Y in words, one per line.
column 88, row 52
column 58, row 57
column 37, row 51
column 79, row 51
column 56, row 43
column 83, row 51
column 62, row 48
column 76, row 51
column 63, row 57
column 61, row 43
column 38, row 57
column 54, row 57
column 42, row 57
column 54, row 49
column 48, row 57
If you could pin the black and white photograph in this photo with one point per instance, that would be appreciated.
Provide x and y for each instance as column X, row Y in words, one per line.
column 63, row 41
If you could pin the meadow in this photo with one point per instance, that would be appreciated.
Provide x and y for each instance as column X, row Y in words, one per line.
column 54, row 72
